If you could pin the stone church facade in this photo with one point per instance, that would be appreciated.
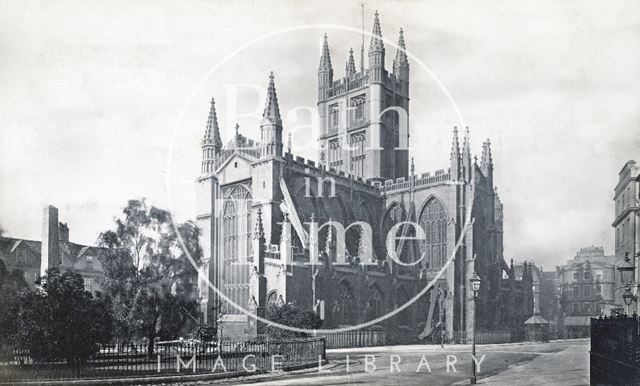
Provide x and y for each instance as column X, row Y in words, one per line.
column 277, row 228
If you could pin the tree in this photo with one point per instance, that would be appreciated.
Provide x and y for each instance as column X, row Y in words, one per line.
column 12, row 285
column 63, row 320
column 148, row 273
column 291, row 316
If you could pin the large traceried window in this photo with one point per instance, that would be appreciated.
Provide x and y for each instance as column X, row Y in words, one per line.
column 357, row 154
column 237, row 246
column 433, row 220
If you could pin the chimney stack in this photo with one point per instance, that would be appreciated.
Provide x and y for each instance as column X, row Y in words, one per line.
column 50, row 250
column 63, row 231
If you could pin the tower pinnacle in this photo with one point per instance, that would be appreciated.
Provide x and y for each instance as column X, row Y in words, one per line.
column 325, row 58
column 401, row 63
column 351, row 64
column 271, row 108
column 271, row 125
column 212, row 131
column 376, row 40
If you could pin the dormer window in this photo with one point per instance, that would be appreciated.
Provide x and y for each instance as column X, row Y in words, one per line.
column 89, row 260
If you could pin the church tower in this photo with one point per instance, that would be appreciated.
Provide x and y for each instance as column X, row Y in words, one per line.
column 364, row 115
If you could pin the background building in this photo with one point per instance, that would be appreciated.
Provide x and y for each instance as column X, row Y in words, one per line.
column 627, row 219
column 35, row 257
column 587, row 289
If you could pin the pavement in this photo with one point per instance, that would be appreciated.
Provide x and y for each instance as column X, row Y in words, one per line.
column 554, row 363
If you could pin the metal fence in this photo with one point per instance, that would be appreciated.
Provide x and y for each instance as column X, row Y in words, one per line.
column 356, row 338
column 484, row 337
column 615, row 350
column 131, row 360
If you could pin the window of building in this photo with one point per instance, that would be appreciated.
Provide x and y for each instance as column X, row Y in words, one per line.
column 357, row 154
column 576, row 275
column 586, row 308
column 237, row 246
column 598, row 289
column 334, row 154
column 587, row 291
column 433, row 220
column 576, row 308
column 22, row 257
column 88, row 284
column 576, row 291
column 334, row 116
column 357, row 106
column 587, row 275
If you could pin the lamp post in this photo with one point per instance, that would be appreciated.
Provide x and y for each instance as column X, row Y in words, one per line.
column 627, row 270
column 475, row 286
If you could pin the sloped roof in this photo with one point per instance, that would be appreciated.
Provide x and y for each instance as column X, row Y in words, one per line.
column 536, row 319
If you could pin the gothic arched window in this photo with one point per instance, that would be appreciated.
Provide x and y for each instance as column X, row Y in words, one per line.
column 375, row 303
column 433, row 220
column 237, row 244
column 357, row 154
column 357, row 106
column 347, row 304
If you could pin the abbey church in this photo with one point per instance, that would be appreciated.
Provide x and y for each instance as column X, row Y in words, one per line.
column 277, row 228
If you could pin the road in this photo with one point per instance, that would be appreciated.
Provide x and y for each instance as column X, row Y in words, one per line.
column 555, row 363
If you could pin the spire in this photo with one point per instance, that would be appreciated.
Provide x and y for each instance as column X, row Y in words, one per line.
column 212, row 131
column 455, row 145
column 401, row 54
column 325, row 58
column 486, row 162
column 376, row 39
column 325, row 71
column 455, row 156
column 271, row 108
column 377, row 72
column 466, row 156
column 351, row 64
column 466, row 144
column 271, row 126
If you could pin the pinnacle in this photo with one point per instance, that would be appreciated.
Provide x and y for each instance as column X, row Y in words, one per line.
column 401, row 53
column 212, row 130
column 455, row 144
column 325, row 59
column 351, row 64
column 271, row 108
column 376, row 39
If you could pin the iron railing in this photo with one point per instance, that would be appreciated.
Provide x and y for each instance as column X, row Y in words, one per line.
column 133, row 360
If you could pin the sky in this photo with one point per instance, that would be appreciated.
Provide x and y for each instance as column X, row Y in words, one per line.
column 101, row 102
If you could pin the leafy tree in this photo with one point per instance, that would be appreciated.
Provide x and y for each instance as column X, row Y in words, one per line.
column 63, row 320
column 289, row 315
column 12, row 285
column 148, row 274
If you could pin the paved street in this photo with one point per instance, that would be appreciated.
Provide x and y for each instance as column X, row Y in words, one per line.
column 556, row 363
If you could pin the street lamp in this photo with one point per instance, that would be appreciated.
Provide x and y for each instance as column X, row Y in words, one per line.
column 475, row 286
column 626, row 270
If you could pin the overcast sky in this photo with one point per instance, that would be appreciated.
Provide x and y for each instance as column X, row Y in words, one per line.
column 93, row 95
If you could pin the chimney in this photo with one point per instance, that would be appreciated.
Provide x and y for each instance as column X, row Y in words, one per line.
column 63, row 232
column 50, row 250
